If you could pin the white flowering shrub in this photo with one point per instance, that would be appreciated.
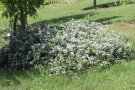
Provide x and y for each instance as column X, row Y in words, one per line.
column 73, row 47
column 82, row 44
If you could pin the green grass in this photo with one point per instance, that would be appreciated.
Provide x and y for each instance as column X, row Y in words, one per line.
column 60, row 13
column 118, row 77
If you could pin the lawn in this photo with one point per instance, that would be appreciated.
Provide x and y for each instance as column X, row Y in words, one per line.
column 118, row 77
column 60, row 13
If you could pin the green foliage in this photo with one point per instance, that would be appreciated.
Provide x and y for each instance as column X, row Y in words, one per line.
column 119, row 77
column 19, row 10
column 73, row 47
column 28, row 48
column 83, row 44
column 15, row 6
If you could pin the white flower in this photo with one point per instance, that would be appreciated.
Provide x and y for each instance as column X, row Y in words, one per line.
column 73, row 39
column 8, row 35
column 70, row 47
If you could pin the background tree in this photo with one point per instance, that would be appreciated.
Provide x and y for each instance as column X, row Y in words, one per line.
column 94, row 4
column 18, row 10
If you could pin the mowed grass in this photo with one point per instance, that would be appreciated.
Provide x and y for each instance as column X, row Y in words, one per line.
column 61, row 13
column 119, row 77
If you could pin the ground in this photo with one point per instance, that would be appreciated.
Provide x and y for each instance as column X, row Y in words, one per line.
column 119, row 77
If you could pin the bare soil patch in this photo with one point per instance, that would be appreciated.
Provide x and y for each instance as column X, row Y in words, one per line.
column 71, row 1
column 128, row 26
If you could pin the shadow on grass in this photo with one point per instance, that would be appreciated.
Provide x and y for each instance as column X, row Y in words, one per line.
column 106, row 20
column 65, row 18
column 105, row 5
column 12, row 78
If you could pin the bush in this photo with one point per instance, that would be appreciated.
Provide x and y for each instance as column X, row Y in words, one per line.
column 73, row 47
column 28, row 48
column 83, row 44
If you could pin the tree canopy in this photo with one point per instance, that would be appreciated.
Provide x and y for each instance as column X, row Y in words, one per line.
column 18, row 10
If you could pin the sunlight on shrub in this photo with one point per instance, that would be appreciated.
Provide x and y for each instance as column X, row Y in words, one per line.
column 82, row 44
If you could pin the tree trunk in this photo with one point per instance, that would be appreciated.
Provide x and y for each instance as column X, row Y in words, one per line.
column 23, row 19
column 15, row 23
column 94, row 4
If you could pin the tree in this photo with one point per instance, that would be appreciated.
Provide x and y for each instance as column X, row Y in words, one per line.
column 18, row 10
column 94, row 4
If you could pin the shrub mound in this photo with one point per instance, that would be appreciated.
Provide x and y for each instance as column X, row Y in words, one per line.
column 83, row 44
column 28, row 48
column 73, row 47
